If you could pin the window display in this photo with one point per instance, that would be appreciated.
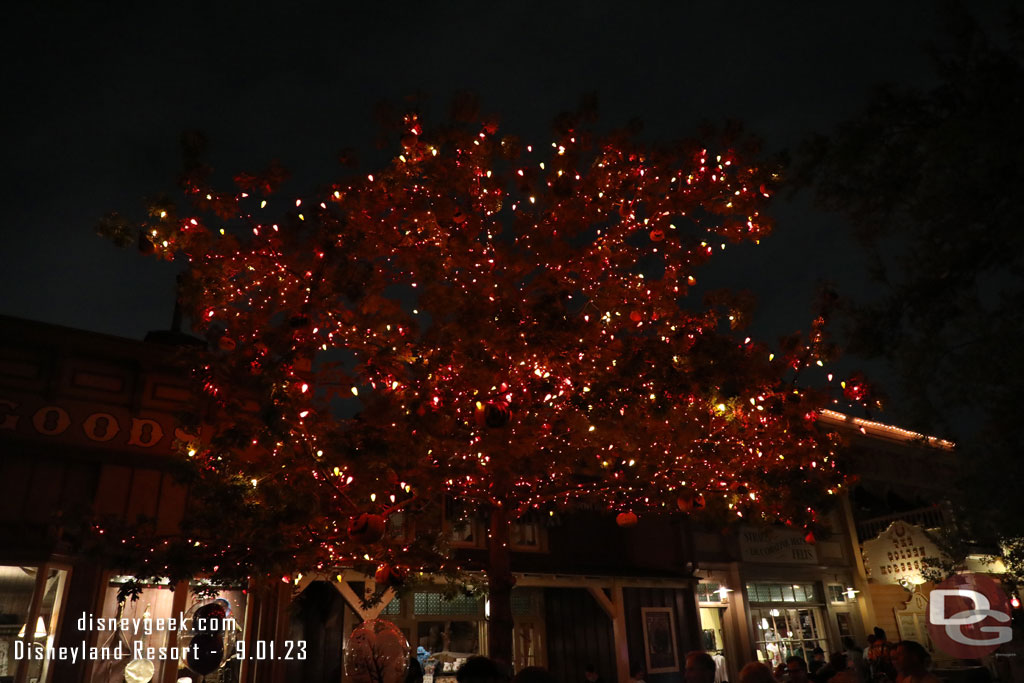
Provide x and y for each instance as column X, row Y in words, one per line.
column 27, row 632
column 221, row 618
column 783, row 629
column 155, row 632
column 154, row 602
column 781, row 633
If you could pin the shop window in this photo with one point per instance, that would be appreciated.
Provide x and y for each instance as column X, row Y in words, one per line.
column 787, row 621
column 154, row 624
column 450, row 636
column 526, row 535
column 452, row 630
column 436, row 604
column 234, row 623
column 527, row 641
column 464, row 533
column 709, row 592
column 525, row 602
column 398, row 526
column 783, row 632
column 155, row 602
column 17, row 585
column 464, row 529
column 782, row 592
column 30, row 601
column 836, row 593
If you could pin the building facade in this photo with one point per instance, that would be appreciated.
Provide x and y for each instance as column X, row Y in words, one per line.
column 88, row 426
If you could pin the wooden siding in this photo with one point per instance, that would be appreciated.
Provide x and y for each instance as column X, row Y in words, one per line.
column 684, row 608
column 316, row 616
column 887, row 599
column 35, row 495
column 578, row 633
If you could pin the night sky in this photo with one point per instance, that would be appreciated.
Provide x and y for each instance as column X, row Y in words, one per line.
column 98, row 98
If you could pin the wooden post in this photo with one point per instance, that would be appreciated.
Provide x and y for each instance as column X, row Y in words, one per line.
column 500, row 626
column 178, row 602
column 739, row 645
column 281, row 628
column 613, row 606
column 30, row 622
column 262, row 670
column 860, row 576
column 247, row 629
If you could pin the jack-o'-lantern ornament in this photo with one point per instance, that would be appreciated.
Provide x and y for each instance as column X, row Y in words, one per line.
column 366, row 528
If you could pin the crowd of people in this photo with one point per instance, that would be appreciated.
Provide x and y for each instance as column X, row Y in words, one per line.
column 881, row 662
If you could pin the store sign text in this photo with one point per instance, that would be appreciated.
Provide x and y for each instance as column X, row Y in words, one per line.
column 897, row 555
column 96, row 427
column 777, row 546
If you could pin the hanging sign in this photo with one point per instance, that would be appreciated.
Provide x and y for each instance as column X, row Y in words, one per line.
column 897, row 555
column 89, row 424
column 776, row 546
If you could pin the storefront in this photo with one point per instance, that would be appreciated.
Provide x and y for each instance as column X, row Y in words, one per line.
column 155, row 631
column 564, row 623
column 806, row 597
column 88, row 423
column 768, row 594
column 716, row 612
column 788, row 620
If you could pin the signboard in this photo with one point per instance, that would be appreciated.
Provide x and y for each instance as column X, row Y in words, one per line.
column 776, row 546
column 90, row 424
column 912, row 620
column 897, row 555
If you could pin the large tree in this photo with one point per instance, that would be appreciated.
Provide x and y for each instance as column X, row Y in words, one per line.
column 931, row 178
column 481, row 321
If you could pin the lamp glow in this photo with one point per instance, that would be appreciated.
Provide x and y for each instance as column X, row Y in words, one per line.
column 40, row 629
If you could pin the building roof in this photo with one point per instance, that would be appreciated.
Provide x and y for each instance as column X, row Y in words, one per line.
column 881, row 430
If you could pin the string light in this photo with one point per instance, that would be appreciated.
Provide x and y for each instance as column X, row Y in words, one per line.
column 514, row 336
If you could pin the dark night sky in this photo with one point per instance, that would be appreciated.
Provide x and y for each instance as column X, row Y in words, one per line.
column 99, row 97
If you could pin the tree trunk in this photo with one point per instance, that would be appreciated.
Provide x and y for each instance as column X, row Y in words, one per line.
column 499, row 588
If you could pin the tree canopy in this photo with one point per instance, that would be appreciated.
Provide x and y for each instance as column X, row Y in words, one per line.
column 507, row 327
column 930, row 179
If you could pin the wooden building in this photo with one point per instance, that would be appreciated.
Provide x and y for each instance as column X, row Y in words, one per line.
column 88, row 425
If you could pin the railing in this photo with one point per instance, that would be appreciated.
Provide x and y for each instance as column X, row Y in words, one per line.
column 931, row 517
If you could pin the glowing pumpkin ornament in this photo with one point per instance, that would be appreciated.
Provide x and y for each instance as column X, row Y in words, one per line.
column 626, row 519
column 366, row 528
column 689, row 501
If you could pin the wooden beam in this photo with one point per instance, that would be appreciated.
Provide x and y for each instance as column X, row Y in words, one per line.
column 619, row 634
column 303, row 580
column 351, row 598
column 385, row 600
column 604, row 601
column 582, row 581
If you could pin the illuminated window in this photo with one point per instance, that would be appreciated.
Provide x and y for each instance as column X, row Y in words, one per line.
column 836, row 593
column 151, row 614
column 18, row 586
column 787, row 621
